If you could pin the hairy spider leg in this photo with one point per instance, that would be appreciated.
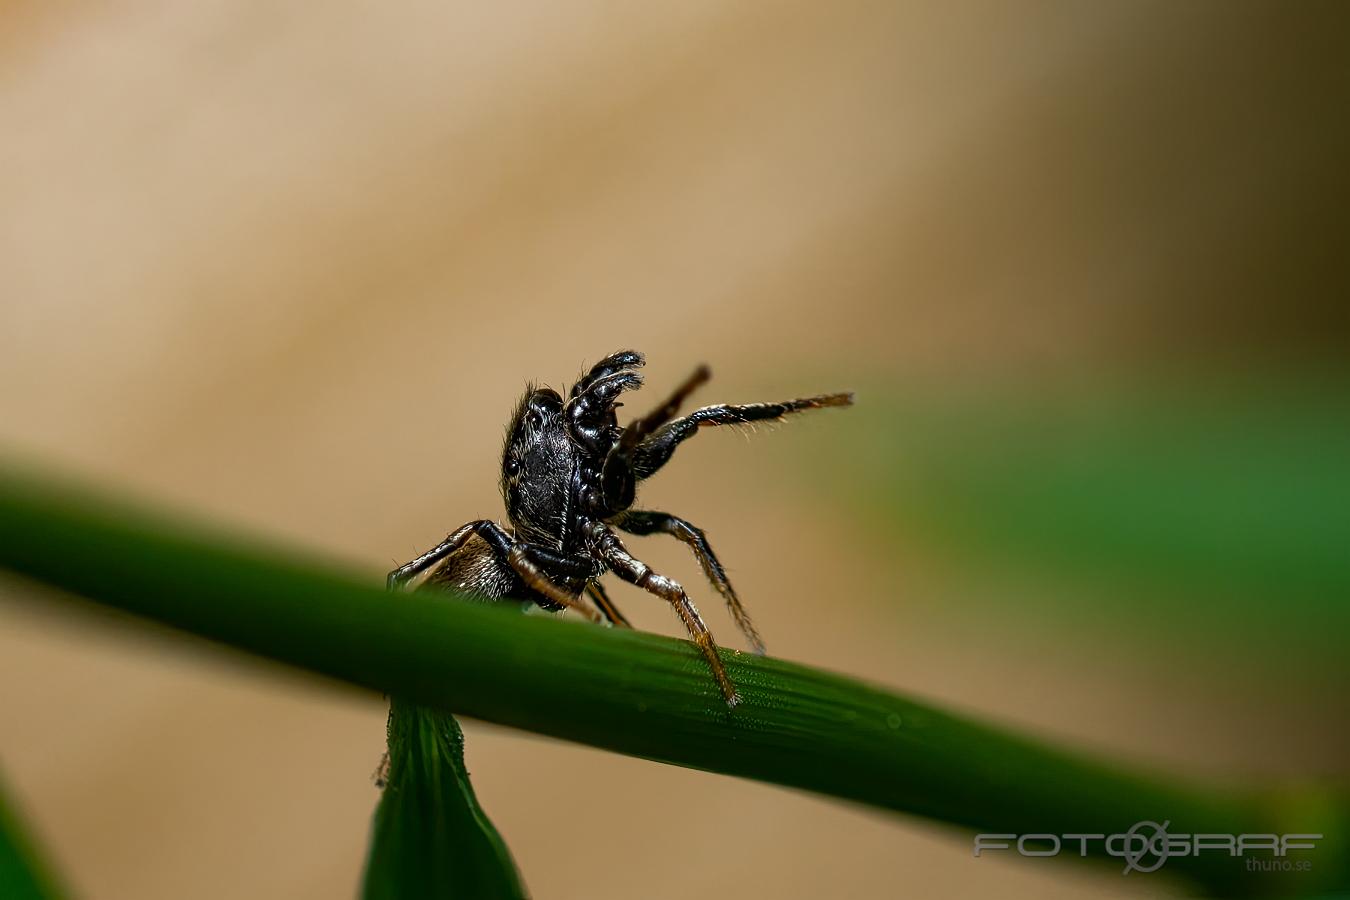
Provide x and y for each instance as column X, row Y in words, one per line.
column 495, row 536
column 612, row 551
column 655, row 451
column 640, row 428
column 527, row 560
column 601, row 599
column 644, row 522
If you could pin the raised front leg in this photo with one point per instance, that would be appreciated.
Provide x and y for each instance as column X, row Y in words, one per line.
column 607, row 546
column 642, row 522
column 655, row 451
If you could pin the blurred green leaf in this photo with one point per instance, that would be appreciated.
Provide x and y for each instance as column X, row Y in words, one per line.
column 1204, row 506
column 23, row 876
column 430, row 836
column 633, row 693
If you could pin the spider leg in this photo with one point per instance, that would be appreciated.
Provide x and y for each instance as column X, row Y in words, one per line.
column 613, row 553
column 640, row 428
column 644, row 522
column 529, row 562
column 655, row 451
column 601, row 599
column 495, row 536
column 617, row 480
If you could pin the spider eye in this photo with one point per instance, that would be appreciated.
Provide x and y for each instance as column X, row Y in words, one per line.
column 512, row 467
column 535, row 419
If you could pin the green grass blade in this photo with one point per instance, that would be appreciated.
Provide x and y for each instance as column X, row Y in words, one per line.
column 633, row 693
column 23, row 875
column 430, row 836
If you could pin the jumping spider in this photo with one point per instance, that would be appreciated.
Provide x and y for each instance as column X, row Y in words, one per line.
column 569, row 474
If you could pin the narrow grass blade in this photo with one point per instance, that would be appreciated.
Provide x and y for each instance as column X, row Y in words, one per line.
column 633, row 693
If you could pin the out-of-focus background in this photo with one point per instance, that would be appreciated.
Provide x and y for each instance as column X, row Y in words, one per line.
column 287, row 267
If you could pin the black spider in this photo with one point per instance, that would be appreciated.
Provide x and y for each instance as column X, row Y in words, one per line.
column 569, row 473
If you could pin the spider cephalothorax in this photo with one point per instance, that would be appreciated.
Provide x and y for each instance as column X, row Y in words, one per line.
column 569, row 476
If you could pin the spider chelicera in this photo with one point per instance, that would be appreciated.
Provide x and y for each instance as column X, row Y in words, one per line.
column 569, row 475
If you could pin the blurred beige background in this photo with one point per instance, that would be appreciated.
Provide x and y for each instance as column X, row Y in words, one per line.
column 288, row 267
